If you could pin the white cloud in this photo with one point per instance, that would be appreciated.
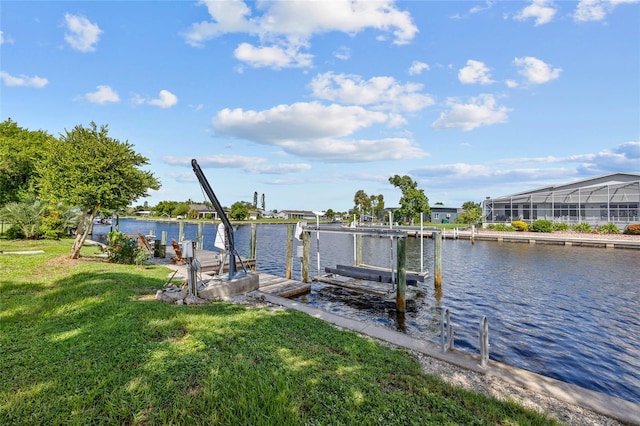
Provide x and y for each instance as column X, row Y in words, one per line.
column 535, row 70
column 542, row 11
column 597, row 10
column 315, row 131
column 166, row 99
column 272, row 56
column 479, row 111
column 82, row 34
column 511, row 84
column 343, row 53
column 103, row 95
column 1, row 37
column 23, row 80
column 245, row 163
column 383, row 93
column 475, row 72
column 285, row 27
column 417, row 67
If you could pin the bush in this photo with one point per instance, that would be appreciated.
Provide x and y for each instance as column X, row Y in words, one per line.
column 15, row 233
column 52, row 227
column 561, row 226
column 122, row 249
column 582, row 227
column 499, row 227
column 520, row 225
column 542, row 225
column 608, row 228
column 633, row 229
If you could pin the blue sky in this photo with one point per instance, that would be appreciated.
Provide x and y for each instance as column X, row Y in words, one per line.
column 308, row 102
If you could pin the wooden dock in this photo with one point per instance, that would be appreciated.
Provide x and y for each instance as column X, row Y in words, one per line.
column 283, row 287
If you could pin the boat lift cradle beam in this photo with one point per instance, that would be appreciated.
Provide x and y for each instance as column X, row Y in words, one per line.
column 228, row 229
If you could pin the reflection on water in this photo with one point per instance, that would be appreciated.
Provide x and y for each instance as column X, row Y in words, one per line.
column 571, row 313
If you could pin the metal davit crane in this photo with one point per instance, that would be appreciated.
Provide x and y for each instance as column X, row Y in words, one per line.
column 228, row 229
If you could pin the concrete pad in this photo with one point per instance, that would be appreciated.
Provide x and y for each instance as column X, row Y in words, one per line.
column 219, row 288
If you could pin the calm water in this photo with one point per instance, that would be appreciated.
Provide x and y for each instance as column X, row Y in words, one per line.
column 571, row 313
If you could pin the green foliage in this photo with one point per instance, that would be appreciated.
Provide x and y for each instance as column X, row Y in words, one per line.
column 413, row 200
column 238, row 211
column 89, row 169
column 542, row 225
column 20, row 151
column 471, row 216
column 582, row 227
column 500, row 227
column 367, row 204
column 181, row 209
column 15, row 233
column 519, row 225
column 608, row 228
column 122, row 249
column 26, row 216
column 561, row 226
column 632, row 229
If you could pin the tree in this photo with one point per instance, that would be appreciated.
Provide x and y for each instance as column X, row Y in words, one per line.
column 413, row 200
column 377, row 205
column 330, row 214
column 255, row 199
column 238, row 211
column 87, row 168
column 25, row 216
column 20, row 151
column 263, row 204
column 472, row 213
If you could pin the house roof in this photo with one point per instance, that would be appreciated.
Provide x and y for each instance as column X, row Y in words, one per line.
column 598, row 181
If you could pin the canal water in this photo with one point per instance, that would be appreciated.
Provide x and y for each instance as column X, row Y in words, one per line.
column 571, row 313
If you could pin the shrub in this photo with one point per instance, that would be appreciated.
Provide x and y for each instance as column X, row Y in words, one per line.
column 608, row 228
column 15, row 233
column 121, row 248
column 52, row 227
column 582, row 227
column 561, row 226
column 542, row 225
column 500, row 227
column 520, row 225
column 633, row 229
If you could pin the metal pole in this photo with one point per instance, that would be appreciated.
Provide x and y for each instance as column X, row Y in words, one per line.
column 421, row 242
column 318, row 242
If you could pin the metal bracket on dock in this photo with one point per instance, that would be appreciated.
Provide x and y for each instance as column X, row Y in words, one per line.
column 446, row 331
column 483, row 332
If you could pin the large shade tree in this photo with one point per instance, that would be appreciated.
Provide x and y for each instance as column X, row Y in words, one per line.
column 87, row 168
column 20, row 151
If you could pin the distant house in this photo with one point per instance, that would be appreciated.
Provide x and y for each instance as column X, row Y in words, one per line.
column 611, row 198
column 444, row 214
column 204, row 210
column 143, row 213
column 296, row 214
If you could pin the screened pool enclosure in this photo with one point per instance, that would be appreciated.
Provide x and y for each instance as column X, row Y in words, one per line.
column 613, row 198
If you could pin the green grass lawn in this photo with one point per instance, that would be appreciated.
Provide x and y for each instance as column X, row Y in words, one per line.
column 84, row 342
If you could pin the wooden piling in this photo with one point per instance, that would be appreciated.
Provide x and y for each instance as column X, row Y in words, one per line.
column 200, row 237
column 181, row 231
column 163, row 238
column 401, row 288
column 253, row 242
column 306, row 248
column 437, row 259
column 288, row 274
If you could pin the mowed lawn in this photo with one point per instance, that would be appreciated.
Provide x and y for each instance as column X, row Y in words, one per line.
column 84, row 342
